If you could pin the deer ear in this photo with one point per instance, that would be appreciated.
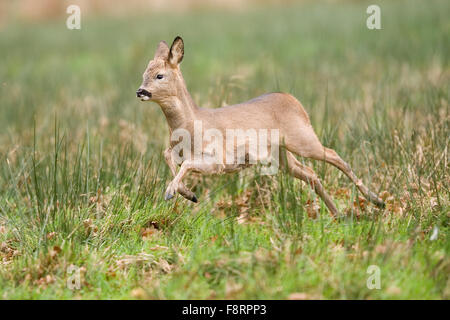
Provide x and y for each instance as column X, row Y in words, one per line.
column 162, row 52
column 176, row 52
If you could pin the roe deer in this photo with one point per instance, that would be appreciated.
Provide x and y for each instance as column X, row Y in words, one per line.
column 163, row 83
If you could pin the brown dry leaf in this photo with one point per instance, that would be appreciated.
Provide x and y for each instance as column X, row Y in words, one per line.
column 361, row 203
column 93, row 200
column 101, row 201
column 312, row 209
column 4, row 247
column 384, row 195
column 212, row 295
column 381, row 248
column 243, row 200
column 83, row 270
column 89, row 225
column 7, row 252
column 213, row 239
column 155, row 224
column 355, row 210
column 222, row 205
column 394, row 206
column 243, row 218
column 303, row 296
column 139, row 259
column 352, row 256
column 390, row 199
column 394, row 290
column 433, row 202
column 49, row 278
column 414, row 187
column 51, row 235
column 158, row 247
column 165, row 266
column 337, row 248
column 44, row 281
column 342, row 193
column 148, row 233
column 232, row 289
column 139, row 293
column 263, row 255
column 53, row 252
column 111, row 273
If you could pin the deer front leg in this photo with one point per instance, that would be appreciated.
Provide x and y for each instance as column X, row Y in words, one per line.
column 203, row 167
column 182, row 189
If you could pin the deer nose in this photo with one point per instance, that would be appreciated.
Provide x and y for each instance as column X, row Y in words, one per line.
column 143, row 93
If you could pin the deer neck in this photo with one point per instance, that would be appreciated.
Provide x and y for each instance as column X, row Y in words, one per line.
column 179, row 109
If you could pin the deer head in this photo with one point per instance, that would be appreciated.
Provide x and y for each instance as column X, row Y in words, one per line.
column 162, row 78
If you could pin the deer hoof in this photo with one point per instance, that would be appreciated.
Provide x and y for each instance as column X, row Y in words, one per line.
column 170, row 191
column 168, row 196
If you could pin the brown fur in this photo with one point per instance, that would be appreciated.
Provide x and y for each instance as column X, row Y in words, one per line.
column 270, row 111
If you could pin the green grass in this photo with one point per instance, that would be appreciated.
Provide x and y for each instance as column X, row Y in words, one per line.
column 82, row 175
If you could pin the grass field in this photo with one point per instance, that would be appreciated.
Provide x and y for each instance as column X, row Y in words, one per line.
column 82, row 176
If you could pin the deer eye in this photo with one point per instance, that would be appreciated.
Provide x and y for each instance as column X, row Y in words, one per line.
column 159, row 76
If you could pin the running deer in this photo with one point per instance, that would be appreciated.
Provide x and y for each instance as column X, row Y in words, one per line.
column 163, row 83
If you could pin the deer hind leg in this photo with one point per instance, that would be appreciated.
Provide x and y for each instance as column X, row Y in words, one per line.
column 182, row 189
column 306, row 174
column 330, row 156
column 309, row 146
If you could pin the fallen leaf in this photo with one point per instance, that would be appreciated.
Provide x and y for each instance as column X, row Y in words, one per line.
column 394, row 290
column 242, row 218
column 302, row 296
column 232, row 288
column 139, row 293
column 384, row 195
column 53, row 252
column 147, row 233
column 312, row 209
column 158, row 247
column 165, row 266
column 51, row 235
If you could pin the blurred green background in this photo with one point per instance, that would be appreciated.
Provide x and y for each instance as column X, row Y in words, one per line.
column 82, row 177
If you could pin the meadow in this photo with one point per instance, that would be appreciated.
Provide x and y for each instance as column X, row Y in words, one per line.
column 82, row 176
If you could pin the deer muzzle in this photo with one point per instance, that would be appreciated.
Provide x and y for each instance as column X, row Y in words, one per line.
column 143, row 94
